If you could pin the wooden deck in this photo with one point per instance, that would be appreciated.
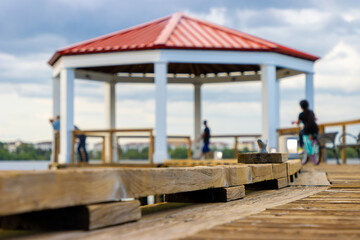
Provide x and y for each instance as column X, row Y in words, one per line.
column 330, row 214
column 309, row 209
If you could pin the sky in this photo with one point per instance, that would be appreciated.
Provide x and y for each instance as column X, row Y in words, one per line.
column 32, row 30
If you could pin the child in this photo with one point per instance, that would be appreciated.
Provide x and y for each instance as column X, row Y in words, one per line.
column 307, row 117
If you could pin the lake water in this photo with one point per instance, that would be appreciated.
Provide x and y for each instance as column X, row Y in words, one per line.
column 24, row 165
column 43, row 165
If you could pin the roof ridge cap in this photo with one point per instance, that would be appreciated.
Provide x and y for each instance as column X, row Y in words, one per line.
column 169, row 28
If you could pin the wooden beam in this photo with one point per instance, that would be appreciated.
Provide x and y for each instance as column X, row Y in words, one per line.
column 24, row 191
column 250, row 158
column 208, row 195
column 270, row 184
column 81, row 217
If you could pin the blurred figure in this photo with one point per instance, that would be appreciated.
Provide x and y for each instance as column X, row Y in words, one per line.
column 307, row 117
column 205, row 151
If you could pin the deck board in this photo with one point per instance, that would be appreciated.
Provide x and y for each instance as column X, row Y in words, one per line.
column 331, row 214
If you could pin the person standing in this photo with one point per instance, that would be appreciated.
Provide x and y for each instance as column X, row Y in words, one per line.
column 205, row 151
column 83, row 156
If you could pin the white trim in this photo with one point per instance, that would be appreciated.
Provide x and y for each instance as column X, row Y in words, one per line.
column 237, row 57
column 183, row 56
column 108, row 59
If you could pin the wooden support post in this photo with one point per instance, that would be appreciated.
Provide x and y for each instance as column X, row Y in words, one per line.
column 323, row 150
column 151, row 148
column 80, row 217
column 57, row 146
column 103, row 151
column 189, row 148
column 110, row 148
column 236, row 153
column 72, row 154
column 208, row 195
column 343, row 150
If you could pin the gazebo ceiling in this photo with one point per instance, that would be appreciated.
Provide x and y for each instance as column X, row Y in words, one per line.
column 177, row 31
column 176, row 68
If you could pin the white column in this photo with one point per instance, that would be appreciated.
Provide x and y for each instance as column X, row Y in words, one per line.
column 67, row 76
column 161, row 152
column 56, row 108
column 110, row 106
column 277, row 107
column 309, row 89
column 268, row 79
column 197, row 120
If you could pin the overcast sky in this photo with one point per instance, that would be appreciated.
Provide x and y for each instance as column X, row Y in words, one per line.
column 32, row 30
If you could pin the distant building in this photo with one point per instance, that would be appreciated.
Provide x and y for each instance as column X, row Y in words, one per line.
column 44, row 146
column 12, row 146
column 247, row 144
column 219, row 145
column 173, row 144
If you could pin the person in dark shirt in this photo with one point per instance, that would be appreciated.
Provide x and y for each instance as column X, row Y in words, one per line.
column 206, row 138
column 307, row 117
column 83, row 156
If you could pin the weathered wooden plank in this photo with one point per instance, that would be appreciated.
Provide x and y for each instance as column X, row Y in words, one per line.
column 22, row 191
column 254, row 158
column 293, row 166
column 208, row 195
column 261, row 172
column 270, row 184
column 279, row 170
column 108, row 214
column 80, row 217
column 311, row 178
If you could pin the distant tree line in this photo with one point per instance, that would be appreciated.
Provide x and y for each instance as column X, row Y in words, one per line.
column 24, row 151
column 28, row 152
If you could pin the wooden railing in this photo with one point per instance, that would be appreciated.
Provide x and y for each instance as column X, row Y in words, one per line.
column 322, row 126
column 236, row 137
column 108, row 136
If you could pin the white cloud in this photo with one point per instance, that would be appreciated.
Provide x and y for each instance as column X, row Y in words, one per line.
column 216, row 15
column 17, row 69
column 339, row 69
column 82, row 4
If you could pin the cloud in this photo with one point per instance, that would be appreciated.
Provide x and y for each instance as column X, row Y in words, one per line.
column 339, row 70
column 24, row 69
column 216, row 15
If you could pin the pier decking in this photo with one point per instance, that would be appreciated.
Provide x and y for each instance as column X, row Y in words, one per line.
column 308, row 209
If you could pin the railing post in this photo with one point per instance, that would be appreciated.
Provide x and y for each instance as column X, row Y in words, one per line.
column 103, row 150
column 189, row 148
column 56, row 146
column 151, row 147
column 343, row 150
column 323, row 150
column 72, row 156
column 110, row 148
column 236, row 147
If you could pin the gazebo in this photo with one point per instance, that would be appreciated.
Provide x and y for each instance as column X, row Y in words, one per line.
column 175, row 49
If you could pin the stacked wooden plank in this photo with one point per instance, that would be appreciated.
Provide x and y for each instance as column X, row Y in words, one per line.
column 98, row 192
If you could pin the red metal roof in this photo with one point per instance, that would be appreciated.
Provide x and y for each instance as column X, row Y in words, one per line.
column 177, row 31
